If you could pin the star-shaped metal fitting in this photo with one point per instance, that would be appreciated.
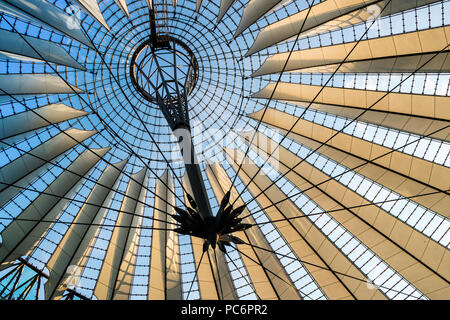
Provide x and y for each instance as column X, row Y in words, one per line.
column 214, row 230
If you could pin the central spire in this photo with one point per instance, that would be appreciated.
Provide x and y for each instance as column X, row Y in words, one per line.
column 164, row 70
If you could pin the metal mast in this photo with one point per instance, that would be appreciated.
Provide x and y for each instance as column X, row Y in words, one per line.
column 165, row 71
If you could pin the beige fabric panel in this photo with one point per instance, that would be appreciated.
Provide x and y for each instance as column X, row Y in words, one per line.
column 224, row 6
column 332, row 196
column 259, row 279
column 428, row 197
column 398, row 53
column 254, row 10
column 327, row 16
column 91, row 7
column 128, row 265
column 435, row 107
column 436, row 129
column 267, row 286
column 429, row 177
column 165, row 276
column 25, row 169
column 156, row 284
column 174, row 288
column 26, row 84
column 26, row 48
column 123, row 6
column 19, row 237
column 18, row 124
column 149, row 3
column 78, row 239
column 316, row 240
column 207, row 276
column 198, row 5
column 366, row 14
column 106, row 283
column 50, row 149
column 419, row 63
column 290, row 26
column 432, row 252
column 221, row 273
column 44, row 12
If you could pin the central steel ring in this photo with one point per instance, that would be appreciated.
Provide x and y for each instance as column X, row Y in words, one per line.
column 167, row 58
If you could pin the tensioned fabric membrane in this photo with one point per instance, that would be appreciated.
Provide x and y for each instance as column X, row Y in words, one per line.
column 329, row 120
